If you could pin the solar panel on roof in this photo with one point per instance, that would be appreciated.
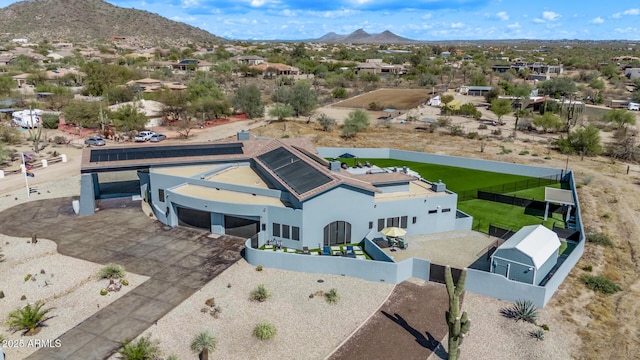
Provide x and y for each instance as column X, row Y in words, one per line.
column 159, row 152
column 296, row 173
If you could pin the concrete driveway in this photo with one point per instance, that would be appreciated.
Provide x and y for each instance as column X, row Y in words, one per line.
column 178, row 261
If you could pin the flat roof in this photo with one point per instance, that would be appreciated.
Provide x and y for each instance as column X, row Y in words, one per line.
column 417, row 189
column 559, row 196
column 186, row 171
column 239, row 175
column 227, row 196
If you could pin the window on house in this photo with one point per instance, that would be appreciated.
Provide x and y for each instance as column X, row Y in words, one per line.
column 380, row 224
column 285, row 231
column 264, row 227
column 370, row 224
column 415, row 219
column 446, row 210
column 161, row 195
column 295, row 233
column 276, row 229
column 403, row 222
column 434, row 211
column 393, row 222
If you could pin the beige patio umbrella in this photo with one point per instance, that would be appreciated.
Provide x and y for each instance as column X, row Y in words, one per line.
column 393, row 231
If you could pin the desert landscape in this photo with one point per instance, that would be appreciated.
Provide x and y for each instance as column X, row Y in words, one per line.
column 578, row 318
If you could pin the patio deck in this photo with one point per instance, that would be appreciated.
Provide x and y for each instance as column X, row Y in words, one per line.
column 459, row 249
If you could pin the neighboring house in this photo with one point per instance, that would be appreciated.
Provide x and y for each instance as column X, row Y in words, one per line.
column 152, row 109
column 60, row 72
column 378, row 67
column 475, row 90
column 146, row 84
column 21, row 79
column 279, row 69
column 250, row 60
column 528, row 256
column 630, row 73
column 192, row 64
column 5, row 60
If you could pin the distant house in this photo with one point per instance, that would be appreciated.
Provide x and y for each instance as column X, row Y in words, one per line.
column 191, row 64
column 528, row 256
column 279, row 69
column 21, row 79
column 630, row 73
column 146, row 84
column 378, row 67
column 475, row 90
column 250, row 60
column 151, row 109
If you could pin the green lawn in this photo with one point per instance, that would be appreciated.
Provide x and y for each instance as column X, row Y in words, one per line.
column 534, row 193
column 457, row 179
column 566, row 248
column 503, row 215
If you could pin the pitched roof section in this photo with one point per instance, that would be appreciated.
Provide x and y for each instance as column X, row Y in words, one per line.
column 295, row 172
column 535, row 241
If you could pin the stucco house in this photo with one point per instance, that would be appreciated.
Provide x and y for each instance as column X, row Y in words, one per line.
column 277, row 189
column 528, row 256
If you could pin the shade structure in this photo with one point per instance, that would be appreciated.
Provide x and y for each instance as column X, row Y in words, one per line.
column 393, row 231
column 346, row 156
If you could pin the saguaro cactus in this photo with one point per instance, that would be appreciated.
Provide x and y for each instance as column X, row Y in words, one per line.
column 458, row 325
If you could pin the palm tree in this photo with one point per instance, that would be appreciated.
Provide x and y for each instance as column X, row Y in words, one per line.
column 202, row 343
column 28, row 318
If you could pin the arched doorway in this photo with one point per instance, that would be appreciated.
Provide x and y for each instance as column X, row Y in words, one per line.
column 338, row 232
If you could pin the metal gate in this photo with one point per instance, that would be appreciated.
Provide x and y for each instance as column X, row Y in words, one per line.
column 195, row 218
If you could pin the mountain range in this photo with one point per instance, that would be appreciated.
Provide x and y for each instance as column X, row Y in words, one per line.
column 362, row 37
column 95, row 21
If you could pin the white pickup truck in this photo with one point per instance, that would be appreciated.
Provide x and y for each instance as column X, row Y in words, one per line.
column 144, row 136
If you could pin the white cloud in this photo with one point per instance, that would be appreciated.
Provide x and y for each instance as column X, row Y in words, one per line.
column 631, row 12
column 538, row 20
column 502, row 15
column 190, row 3
column 627, row 30
column 514, row 26
column 427, row 16
column 257, row 3
column 597, row 20
column 550, row 15
column 457, row 25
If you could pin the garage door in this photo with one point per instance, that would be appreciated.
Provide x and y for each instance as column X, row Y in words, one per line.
column 194, row 218
column 240, row 227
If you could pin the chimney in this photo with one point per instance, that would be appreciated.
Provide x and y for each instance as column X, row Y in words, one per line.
column 438, row 186
column 243, row 135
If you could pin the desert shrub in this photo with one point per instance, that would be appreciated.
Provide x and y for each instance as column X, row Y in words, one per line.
column 497, row 132
column 599, row 238
column 472, row 135
column 260, row 293
column 143, row 349
column 203, row 342
column 504, row 150
column 482, row 127
column 332, row 296
column 537, row 334
column 374, row 106
column 523, row 152
column 587, row 179
column 264, row 330
column 259, row 268
column 112, row 271
column 9, row 135
column 339, row 93
column 588, row 268
column 456, row 130
column 50, row 121
column 544, row 327
column 600, row 283
column 327, row 122
column 523, row 310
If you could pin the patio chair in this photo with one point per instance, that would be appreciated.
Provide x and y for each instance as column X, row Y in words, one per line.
column 305, row 250
column 350, row 252
column 326, row 250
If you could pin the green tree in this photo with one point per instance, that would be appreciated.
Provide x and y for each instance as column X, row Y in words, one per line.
column 584, row 141
column 82, row 113
column 369, row 77
column 339, row 93
column 202, row 343
column 621, row 118
column 28, row 318
column 281, row 111
column 101, row 77
column 142, row 349
column 301, row 96
column 128, row 118
column 428, row 80
column 469, row 109
column 248, row 99
column 501, row 107
column 210, row 107
column 547, row 121
column 7, row 85
column 120, row 94
column 202, row 87
column 558, row 87
column 356, row 121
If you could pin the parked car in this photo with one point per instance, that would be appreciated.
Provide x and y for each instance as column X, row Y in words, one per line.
column 157, row 137
column 144, row 136
column 95, row 141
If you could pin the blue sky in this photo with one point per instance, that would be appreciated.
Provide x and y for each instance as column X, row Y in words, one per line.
column 415, row 19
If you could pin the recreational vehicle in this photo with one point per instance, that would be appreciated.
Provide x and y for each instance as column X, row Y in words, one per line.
column 27, row 118
column 633, row 106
